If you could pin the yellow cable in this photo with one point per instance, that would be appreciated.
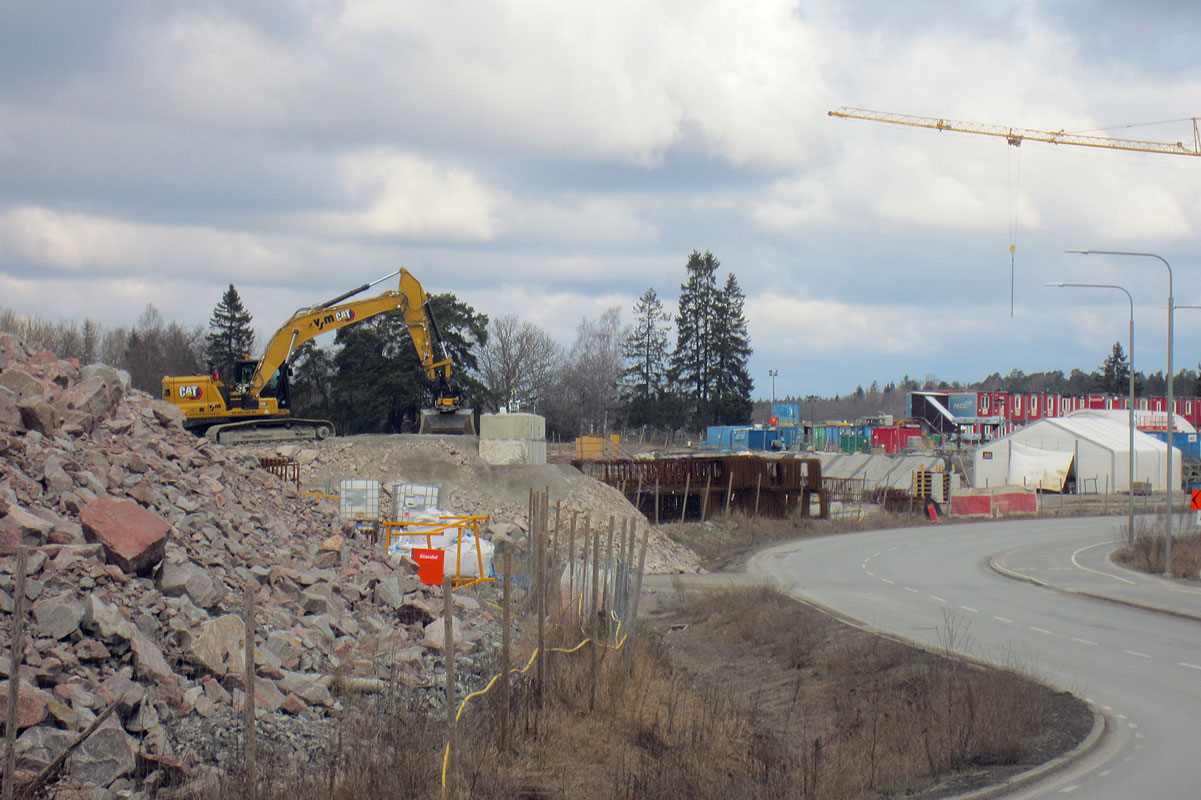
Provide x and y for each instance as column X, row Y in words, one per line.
column 515, row 671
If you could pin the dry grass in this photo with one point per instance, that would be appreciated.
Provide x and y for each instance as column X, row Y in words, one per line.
column 863, row 715
column 1148, row 550
column 724, row 544
column 778, row 701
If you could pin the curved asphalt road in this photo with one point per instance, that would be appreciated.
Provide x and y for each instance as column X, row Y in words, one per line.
column 976, row 589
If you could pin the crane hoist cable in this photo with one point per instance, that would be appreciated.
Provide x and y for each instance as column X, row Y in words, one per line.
column 1015, row 175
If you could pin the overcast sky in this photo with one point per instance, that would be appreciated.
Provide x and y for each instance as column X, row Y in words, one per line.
column 552, row 159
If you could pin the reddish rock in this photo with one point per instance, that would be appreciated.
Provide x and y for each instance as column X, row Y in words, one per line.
column 31, row 703
column 134, row 539
column 293, row 705
column 38, row 415
column 10, row 416
column 21, row 383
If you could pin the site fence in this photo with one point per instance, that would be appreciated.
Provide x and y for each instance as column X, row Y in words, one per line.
column 580, row 589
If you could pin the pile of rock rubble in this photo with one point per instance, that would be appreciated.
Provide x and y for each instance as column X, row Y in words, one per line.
column 144, row 540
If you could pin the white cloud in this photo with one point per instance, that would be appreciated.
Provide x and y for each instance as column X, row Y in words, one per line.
column 557, row 313
column 400, row 195
column 90, row 244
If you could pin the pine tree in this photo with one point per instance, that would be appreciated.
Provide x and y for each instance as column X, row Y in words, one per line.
column 230, row 336
column 732, row 384
column 644, row 381
column 691, row 364
column 1114, row 377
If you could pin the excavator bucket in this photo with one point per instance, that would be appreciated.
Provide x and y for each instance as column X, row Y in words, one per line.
column 458, row 423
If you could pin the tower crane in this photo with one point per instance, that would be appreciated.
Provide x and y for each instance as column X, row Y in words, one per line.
column 1015, row 137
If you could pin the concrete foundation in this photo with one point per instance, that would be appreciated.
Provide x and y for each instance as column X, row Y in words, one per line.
column 512, row 426
column 510, row 439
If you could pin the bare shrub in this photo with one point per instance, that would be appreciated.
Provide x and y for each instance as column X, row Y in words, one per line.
column 1148, row 551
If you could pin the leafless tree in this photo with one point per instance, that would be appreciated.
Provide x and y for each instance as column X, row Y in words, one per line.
column 587, row 391
column 520, row 362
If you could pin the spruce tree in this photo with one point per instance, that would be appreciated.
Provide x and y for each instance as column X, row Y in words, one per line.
column 644, row 381
column 732, row 384
column 691, row 364
column 1114, row 376
column 230, row 336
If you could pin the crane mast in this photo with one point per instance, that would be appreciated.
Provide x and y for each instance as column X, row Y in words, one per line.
column 1015, row 136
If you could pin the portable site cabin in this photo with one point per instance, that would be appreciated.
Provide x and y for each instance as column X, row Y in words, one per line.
column 1091, row 451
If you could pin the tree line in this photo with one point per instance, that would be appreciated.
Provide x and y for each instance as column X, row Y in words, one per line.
column 369, row 378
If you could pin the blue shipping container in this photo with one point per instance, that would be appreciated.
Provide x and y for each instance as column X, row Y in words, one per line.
column 787, row 413
column 1189, row 444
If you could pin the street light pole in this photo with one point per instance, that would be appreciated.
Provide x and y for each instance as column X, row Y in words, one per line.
column 1130, row 402
column 1167, row 566
column 771, row 411
column 811, row 399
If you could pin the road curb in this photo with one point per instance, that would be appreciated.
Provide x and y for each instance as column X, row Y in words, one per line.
column 1101, row 725
column 1006, row 572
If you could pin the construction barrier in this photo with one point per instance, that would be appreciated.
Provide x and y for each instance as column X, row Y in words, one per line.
column 458, row 526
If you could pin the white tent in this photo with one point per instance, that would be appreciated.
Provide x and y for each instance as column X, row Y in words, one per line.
column 1093, row 447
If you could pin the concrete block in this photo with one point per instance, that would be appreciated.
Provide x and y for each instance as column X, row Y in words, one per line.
column 513, row 451
column 512, row 426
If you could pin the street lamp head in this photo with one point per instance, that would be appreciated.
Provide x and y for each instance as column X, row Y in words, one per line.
column 1060, row 284
column 1080, row 252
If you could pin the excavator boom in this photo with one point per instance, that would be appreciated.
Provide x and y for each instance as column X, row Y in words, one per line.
column 255, row 408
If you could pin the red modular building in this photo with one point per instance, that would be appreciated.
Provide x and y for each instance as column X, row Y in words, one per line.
column 894, row 438
column 982, row 416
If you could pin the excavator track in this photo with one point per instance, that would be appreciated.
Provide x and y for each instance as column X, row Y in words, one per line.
column 270, row 430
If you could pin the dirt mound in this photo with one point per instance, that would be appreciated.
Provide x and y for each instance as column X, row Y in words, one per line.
column 470, row 486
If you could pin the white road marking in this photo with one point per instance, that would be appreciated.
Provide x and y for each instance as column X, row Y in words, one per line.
column 1088, row 642
column 870, row 574
column 972, row 610
column 886, row 580
column 1097, row 571
column 1041, row 630
column 1068, row 789
column 1002, row 619
column 939, row 599
column 1186, row 664
column 1135, row 653
column 910, row 589
column 1105, row 773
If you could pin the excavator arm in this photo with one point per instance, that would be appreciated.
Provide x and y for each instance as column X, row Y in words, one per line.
column 309, row 323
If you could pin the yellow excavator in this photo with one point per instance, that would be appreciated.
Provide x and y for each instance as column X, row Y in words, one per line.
column 255, row 406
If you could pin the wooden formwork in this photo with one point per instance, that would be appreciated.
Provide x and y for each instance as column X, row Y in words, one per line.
column 699, row 487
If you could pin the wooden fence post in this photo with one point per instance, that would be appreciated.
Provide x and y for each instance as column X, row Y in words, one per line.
column 540, row 607
column 656, row 500
column 505, row 654
column 758, row 488
column 632, row 622
column 251, row 788
column 596, row 557
column 687, row 489
column 607, row 598
column 705, row 502
column 571, row 561
column 16, row 656
column 729, row 493
column 449, row 787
